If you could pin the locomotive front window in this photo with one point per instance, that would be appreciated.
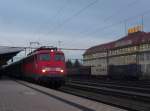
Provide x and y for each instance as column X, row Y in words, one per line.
column 44, row 57
column 59, row 57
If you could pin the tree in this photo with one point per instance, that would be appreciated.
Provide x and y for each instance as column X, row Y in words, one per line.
column 69, row 64
column 77, row 64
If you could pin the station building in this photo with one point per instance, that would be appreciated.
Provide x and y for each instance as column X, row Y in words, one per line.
column 134, row 48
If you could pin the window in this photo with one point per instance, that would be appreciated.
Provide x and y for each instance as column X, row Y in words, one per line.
column 135, row 48
column 147, row 56
column 143, row 46
column 142, row 57
column 29, row 59
column 59, row 57
column 44, row 57
column 148, row 45
column 129, row 49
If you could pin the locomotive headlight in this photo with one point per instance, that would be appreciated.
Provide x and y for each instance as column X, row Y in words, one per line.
column 52, row 50
column 47, row 69
column 61, row 70
column 43, row 70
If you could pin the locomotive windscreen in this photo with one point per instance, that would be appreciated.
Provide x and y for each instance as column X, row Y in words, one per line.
column 59, row 57
column 44, row 57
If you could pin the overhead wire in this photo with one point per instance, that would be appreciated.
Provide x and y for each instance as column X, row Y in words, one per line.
column 108, row 18
column 120, row 10
column 100, row 29
column 74, row 15
column 58, row 12
column 26, row 47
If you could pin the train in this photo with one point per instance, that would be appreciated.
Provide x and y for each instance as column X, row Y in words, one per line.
column 45, row 64
column 129, row 71
column 79, row 71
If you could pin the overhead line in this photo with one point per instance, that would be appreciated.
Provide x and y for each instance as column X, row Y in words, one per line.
column 72, row 49
column 24, row 47
column 74, row 15
column 107, row 18
column 117, row 23
column 118, row 11
column 58, row 12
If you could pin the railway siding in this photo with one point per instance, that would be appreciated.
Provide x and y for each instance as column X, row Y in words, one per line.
column 129, row 97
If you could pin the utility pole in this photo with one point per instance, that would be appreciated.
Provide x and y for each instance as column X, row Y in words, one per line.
column 25, row 51
column 33, row 43
column 125, row 27
column 142, row 22
column 59, row 44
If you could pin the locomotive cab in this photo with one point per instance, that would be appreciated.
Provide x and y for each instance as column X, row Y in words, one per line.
column 50, row 66
column 46, row 65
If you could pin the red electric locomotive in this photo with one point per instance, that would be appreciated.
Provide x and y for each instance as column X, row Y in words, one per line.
column 44, row 64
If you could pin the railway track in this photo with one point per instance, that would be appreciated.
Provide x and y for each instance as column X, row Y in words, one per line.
column 129, row 97
column 142, row 84
column 128, row 87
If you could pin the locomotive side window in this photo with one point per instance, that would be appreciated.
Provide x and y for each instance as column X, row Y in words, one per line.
column 29, row 59
column 44, row 57
column 59, row 57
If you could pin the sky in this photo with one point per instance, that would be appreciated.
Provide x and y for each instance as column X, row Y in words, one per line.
column 76, row 23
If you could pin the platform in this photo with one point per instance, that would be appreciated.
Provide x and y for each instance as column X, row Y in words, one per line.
column 23, row 96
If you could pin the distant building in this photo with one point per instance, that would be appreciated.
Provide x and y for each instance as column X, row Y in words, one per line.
column 131, row 49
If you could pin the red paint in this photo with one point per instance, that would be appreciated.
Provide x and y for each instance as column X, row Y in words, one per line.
column 47, row 66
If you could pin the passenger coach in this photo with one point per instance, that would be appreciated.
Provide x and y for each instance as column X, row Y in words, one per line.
column 43, row 64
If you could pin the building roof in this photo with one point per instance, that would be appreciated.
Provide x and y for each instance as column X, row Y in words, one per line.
column 130, row 39
column 6, row 53
column 9, row 50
